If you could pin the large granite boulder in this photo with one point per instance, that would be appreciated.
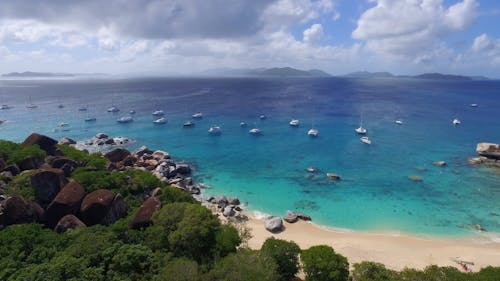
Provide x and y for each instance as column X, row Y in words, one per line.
column 66, row 202
column 65, row 164
column 117, row 155
column 183, row 169
column 47, row 184
column 222, row 201
column 96, row 205
column 290, row 217
column 228, row 211
column 117, row 210
column 273, row 224
column 38, row 212
column 13, row 169
column 30, row 163
column 68, row 222
column 303, row 216
column 489, row 150
column 16, row 210
column 145, row 213
column 45, row 143
column 143, row 150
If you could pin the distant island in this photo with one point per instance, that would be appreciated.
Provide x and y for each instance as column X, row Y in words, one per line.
column 32, row 74
column 430, row 76
column 267, row 72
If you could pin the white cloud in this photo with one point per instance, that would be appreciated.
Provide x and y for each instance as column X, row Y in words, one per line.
column 411, row 28
column 486, row 48
column 313, row 33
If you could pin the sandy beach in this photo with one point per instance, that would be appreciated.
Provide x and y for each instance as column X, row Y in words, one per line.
column 394, row 251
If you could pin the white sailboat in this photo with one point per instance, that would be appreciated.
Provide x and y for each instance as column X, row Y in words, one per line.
column 366, row 140
column 360, row 130
column 158, row 113
column 215, row 130
column 197, row 115
column 255, row 131
column 125, row 119
column 31, row 105
column 313, row 132
column 160, row 121
column 294, row 122
column 456, row 121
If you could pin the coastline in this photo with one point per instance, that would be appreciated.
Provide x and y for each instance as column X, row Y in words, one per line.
column 394, row 251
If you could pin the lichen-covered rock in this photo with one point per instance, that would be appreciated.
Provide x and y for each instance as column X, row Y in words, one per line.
column 117, row 155
column 68, row 222
column 45, row 143
column 117, row 210
column 143, row 216
column 273, row 224
column 66, row 202
column 47, row 184
column 95, row 206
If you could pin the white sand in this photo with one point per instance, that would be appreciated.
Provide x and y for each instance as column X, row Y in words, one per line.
column 394, row 251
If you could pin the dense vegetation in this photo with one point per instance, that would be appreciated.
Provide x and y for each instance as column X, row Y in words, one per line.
column 184, row 242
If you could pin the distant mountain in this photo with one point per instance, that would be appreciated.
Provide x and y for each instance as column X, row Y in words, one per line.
column 366, row 74
column 30, row 74
column 440, row 76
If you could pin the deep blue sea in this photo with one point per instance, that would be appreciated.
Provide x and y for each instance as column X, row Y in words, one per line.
column 269, row 171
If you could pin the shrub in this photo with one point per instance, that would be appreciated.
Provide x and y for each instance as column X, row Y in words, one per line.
column 372, row 271
column 321, row 263
column 83, row 159
column 245, row 265
column 285, row 254
column 227, row 239
column 21, row 186
column 180, row 269
column 14, row 153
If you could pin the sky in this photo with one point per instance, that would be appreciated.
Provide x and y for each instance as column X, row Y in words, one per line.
column 178, row 37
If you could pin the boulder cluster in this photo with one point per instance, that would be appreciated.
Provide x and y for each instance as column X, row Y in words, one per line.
column 275, row 224
column 489, row 155
column 226, row 207
column 60, row 203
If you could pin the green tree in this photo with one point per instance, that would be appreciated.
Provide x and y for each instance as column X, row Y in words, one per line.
column 245, row 265
column 372, row 271
column 227, row 239
column 321, row 263
column 180, row 269
column 285, row 254
column 125, row 261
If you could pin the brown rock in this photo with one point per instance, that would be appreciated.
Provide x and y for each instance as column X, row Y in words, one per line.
column 129, row 160
column 143, row 216
column 118, row 210
column 38, row 212
column 45, row 143
column 64, row 163
column 47, row 184
column 66, row 202
column 96, row 205
column 415, row 178
column 68, row 222
column 13, row 169
column 30, row 163
column 117, row 155
column 16, row 210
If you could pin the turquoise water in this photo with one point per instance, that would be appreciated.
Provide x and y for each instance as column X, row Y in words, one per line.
column 268, row 171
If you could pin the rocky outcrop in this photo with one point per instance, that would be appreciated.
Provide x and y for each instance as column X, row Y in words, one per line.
column 16, row 210
column 273, row 224
column 30, row 163
column 45, row 143
column 66, row 202
column 117, row 155
column 117, row 210
column 96, row 205
column 143, row 216
column 68, row 222
column 47, row 184
column 65, row 164
column 67, row 141
column 488, row 150
column 290, row 217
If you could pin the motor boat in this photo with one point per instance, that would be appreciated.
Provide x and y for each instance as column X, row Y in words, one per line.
column 5, row 106
column 473, row 105
column 294, row 122
column 399, row 122
column 83, row 108
column 262, row 117
column 188, row 124
column 158, row 113
column 131, row 112
column 456, row 121
column 255, row 131
column 360, row 130
column 243, row 124
column 125, row 119
column 215, row 130
column 198, row 115
column 160, row 121
column 90, row 119
column 313, row 132
column 113, row 109
column 366, row 140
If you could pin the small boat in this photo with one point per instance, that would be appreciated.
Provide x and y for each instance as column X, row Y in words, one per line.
column 113, row 109
column 255, row 131
column 131, row 112
column 313, row 132
column 31, row 105
column 60, row 106
column 262, row 117
column 366, row 140
column 456, row 121
column 188, row 124
column 360, row 130
column 5, row 106
column 83, row 108
column 215, row 130
column 399, row 122
column 158, row 113
column 198, row 115
column 63, row 124
column 473, row 105
column 125, row 119
column 243, row 124
column 90, row 119
column 333, row 176
column 312, row 169
column 294, row 122
column 160, row 121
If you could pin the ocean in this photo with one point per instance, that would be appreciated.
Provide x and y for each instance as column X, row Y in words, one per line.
column 268, row 172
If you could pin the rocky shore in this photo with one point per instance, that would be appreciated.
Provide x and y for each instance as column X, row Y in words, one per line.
column 489, row 155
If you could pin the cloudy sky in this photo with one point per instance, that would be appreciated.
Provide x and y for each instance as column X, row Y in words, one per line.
column 189, row 36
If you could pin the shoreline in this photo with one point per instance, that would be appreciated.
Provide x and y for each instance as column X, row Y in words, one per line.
column 394, row 251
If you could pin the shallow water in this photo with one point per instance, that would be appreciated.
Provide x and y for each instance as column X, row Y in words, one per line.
column 268, row 171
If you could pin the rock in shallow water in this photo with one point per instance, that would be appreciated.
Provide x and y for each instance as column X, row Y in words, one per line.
column 290, row 217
